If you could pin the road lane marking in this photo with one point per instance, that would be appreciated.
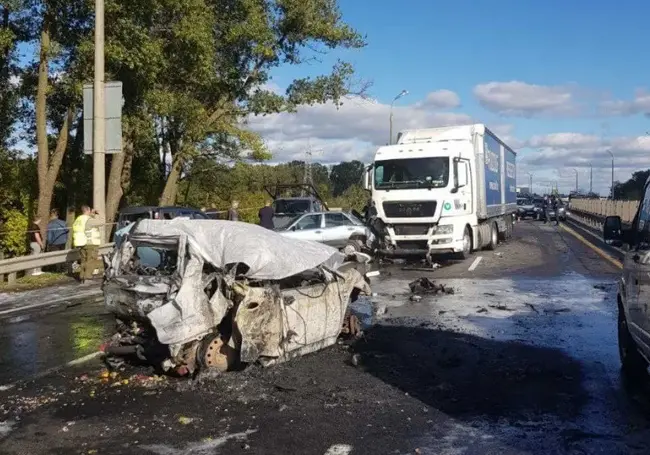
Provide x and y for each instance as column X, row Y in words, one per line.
column 339, row 449
column 71, row 363
column 615, row 262
column 475, row 264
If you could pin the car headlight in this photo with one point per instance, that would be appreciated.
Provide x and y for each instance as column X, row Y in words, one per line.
column 445, row 229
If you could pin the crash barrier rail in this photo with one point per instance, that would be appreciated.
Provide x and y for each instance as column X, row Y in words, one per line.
column 593, row 220
column 11, row 267
column 625, row 209
column 594, row 236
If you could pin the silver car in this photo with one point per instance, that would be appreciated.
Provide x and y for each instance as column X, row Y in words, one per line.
column 338, row 229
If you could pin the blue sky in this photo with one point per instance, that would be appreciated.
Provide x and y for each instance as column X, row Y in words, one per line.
column 577, row 67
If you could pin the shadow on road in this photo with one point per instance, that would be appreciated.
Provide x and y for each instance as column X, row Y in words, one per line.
column 466, row 376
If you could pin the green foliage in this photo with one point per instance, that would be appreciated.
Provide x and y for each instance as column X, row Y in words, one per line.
column 345, row 175
column 13, row 238
column 632, row 190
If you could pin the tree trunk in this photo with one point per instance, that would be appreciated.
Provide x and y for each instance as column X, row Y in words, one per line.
column 47, row 166
column 170, row 191
column 118, row 180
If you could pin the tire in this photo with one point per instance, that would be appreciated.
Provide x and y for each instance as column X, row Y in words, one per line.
column 494, row 238
column 467, row 244
column 633, row 364
column 353, row 246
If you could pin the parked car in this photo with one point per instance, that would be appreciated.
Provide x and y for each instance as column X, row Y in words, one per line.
column 633, row 287
column 338, row 229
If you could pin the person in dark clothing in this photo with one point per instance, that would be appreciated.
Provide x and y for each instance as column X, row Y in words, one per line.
column 36, row 243
column 57, row 232
column 57, row 237
column 266, row 216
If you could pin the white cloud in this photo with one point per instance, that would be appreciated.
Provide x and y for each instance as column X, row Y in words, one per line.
column 352, row 131
column 516, row 98
column 640, row 104
column 560, row 155
column 563, row 140
column 441, row 99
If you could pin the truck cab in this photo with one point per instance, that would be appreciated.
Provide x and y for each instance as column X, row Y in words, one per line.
column 443, row 190
column 633, row 287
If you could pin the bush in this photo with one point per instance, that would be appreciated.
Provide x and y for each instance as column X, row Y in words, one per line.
column 13, row 233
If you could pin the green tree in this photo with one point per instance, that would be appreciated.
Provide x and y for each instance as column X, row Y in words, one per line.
column 205, row 106
column 346, row 174
column 632, row 189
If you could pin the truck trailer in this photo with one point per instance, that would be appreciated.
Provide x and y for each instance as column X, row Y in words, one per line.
column 443, row 190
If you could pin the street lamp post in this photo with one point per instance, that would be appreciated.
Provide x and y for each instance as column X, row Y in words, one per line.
column 99, row 109
column 401, row 94
column 591, row 178
column 576, row 171
column 612, row 155
column 530, row 183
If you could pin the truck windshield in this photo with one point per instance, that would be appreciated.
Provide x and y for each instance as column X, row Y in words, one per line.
column 411, row 173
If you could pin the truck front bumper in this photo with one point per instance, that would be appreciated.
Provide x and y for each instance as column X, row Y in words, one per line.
column 420, row 245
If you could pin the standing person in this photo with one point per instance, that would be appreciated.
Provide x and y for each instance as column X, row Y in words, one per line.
column 35, row 242
column 57, row 236
column 266, row 216
column 86, row 237
column 233, row 212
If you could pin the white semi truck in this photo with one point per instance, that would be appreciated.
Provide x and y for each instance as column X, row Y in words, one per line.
column 443, row 190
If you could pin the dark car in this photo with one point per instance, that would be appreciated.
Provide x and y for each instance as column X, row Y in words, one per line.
column 525, row 208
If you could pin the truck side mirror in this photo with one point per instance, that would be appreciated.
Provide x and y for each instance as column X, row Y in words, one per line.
column 613, row 231
column 367, row 178
column 460, row 175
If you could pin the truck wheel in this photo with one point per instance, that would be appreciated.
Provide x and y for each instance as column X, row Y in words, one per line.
column 467, row 244
column 633, row 364
column 494, row 237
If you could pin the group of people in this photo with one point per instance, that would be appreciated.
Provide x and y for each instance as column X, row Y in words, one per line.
column 265, row 214
column 550, row 206
column 86, row 237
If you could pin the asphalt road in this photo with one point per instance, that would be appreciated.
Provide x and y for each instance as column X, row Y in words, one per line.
column 521, row 359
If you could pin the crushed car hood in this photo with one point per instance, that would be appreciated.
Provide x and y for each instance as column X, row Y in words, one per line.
column 268, row 255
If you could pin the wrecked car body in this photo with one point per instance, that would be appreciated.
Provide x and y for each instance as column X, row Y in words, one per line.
column 192, row 294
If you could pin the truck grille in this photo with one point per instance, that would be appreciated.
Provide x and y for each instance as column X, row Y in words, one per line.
column 411, row 229
column 410, row 209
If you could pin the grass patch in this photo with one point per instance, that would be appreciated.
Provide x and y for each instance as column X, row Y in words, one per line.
column 29, row 282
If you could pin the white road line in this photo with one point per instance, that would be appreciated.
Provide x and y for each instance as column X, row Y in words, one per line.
column 49, row 371
column 475, row 264
column 339, row 449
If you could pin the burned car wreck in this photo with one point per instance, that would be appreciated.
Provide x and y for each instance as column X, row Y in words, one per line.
column 195, row 294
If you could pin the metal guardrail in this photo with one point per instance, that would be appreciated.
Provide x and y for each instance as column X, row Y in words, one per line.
column 11, row 267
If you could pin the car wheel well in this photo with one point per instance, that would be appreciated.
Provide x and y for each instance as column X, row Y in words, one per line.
column 358, row 237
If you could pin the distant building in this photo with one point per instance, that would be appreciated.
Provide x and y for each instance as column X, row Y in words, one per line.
column 523, row 190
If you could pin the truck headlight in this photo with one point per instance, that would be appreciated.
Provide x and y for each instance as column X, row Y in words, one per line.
column 445, row 229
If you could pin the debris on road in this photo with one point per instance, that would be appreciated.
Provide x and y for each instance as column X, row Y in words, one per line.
column 499, row 306
column 200, row 294
column 425, row 286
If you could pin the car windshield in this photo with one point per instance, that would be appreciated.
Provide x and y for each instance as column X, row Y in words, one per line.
column 291, row 206
column 411, row 173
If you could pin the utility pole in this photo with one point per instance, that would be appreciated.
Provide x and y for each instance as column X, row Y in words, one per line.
column 612, row 155
column 591, row 178
column 401, row 94
column 99, row 110
column 576, row 171
column 530, row 183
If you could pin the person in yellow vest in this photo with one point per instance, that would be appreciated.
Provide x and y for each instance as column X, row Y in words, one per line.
column 87, row 237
